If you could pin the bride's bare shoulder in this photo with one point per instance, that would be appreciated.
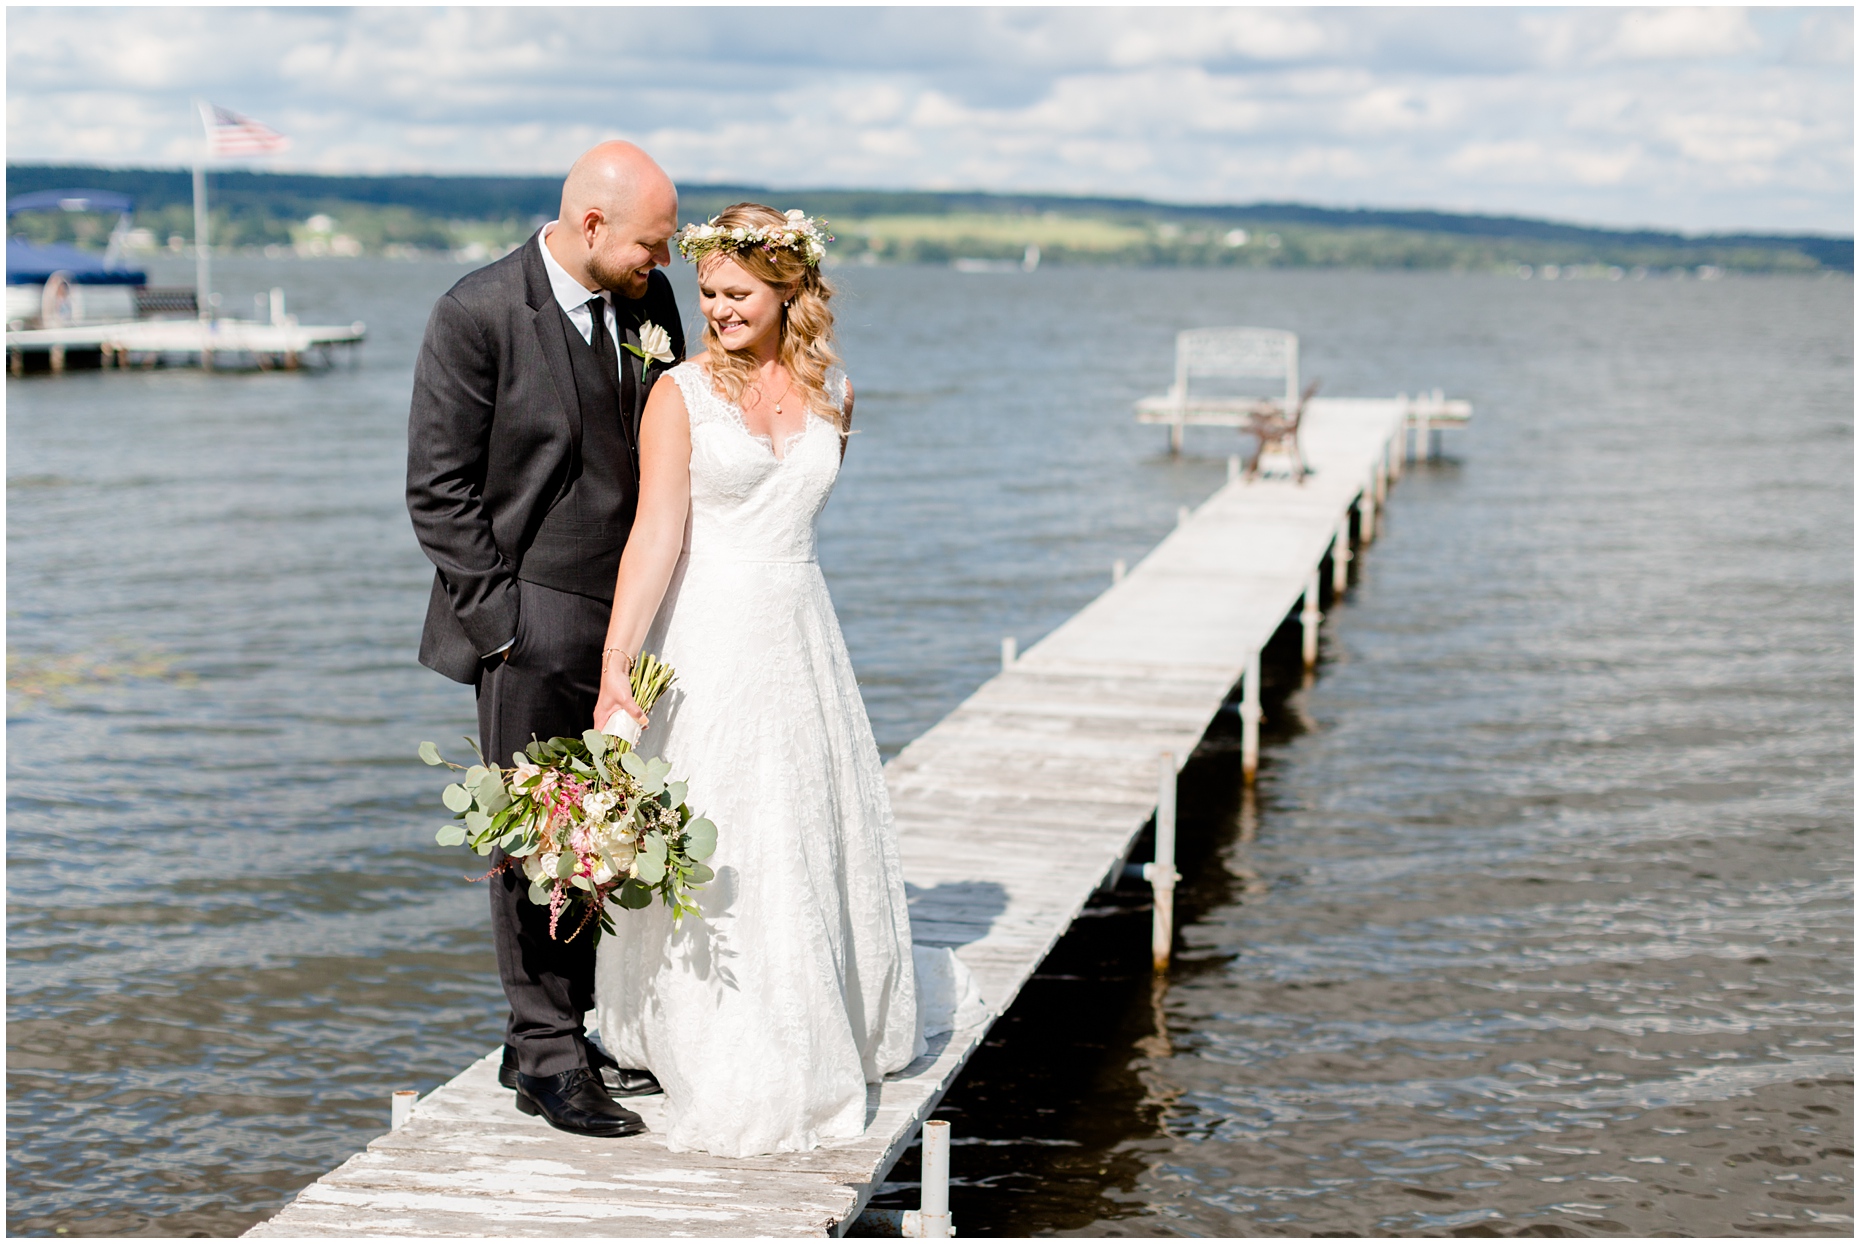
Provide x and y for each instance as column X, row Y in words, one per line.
column 665, row 424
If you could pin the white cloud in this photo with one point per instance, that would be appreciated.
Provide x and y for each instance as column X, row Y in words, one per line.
column 1153, row 37
column 1691, row 117
column 1682, row 34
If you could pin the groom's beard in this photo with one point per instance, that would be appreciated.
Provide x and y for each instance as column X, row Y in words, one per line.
column 626, row 282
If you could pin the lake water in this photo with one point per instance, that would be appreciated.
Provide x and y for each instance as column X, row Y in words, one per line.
column 1540, row 921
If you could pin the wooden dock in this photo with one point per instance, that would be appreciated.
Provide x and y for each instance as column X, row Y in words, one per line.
column 1057, row 757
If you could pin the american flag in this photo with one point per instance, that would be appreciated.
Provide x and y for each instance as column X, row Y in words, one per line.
column 230, row 135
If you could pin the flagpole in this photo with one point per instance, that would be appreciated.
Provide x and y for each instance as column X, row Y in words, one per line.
column 203, row 288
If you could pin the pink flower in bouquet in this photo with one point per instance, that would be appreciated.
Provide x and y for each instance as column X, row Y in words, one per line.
column 589, row 823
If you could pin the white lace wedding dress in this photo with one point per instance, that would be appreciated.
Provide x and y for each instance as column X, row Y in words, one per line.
column 766, row 1019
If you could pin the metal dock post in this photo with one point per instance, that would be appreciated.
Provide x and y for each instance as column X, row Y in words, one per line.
column 1161, row 873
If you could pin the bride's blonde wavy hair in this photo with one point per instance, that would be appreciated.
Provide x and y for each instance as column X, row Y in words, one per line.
column 807, row 321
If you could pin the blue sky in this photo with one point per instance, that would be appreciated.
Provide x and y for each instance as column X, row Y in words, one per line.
column 1691, row 118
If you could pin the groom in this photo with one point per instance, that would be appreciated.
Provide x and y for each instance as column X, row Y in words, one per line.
column 522, row 479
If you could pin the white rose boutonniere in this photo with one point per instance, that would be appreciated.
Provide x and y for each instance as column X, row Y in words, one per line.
column 654, row 344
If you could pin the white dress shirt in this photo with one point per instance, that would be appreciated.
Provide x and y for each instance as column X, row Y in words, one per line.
column 573, row 297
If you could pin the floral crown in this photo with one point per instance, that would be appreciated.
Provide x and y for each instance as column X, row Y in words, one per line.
column 800, row 233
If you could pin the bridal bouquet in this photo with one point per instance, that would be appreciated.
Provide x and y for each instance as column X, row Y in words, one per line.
column 587, row 820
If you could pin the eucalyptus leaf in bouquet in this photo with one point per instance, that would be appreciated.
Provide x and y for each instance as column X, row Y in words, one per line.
column 589, row 821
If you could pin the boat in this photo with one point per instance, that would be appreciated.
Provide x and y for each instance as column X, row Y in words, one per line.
column 51, row 283
column 71, row 308
column 1028, row 262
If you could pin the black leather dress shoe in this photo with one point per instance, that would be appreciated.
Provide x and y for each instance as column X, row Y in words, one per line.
column 629, row 1081
column 575, row 1102
column 617, row 1080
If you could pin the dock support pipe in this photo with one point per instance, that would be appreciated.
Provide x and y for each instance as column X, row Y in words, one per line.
column 402, row 1109
column 1340, row 559
column 1309, row 620
column 1161, row 873
column 931, row 1221
column 1249, row 720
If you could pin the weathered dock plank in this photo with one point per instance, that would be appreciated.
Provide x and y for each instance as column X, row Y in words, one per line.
column 1059, row 752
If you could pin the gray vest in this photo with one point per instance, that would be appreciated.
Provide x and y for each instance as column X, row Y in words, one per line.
column 577, row 548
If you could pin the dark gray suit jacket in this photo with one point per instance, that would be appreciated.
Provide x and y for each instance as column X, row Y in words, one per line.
column 494, row 438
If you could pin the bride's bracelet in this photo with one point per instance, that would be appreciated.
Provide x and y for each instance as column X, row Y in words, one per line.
column 625, row 656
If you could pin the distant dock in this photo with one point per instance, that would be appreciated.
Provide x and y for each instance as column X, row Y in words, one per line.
column 1069, row 754
column 72, row 309
column 1426, row 413
column 284, row 345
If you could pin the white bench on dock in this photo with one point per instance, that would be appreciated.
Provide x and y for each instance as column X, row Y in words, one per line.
column 1263, row 354
column 1232, row 353
column 1012, row 811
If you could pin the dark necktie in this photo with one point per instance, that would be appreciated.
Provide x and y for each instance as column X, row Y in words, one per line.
column 604, row 354
column 599, row 339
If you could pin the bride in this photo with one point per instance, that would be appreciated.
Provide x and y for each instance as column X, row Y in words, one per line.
column 766, row 1019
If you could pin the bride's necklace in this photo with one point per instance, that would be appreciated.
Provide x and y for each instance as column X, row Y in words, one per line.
column 786, row 389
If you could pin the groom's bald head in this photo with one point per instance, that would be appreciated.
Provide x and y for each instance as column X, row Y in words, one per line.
column 617, row 178
column 619, row 210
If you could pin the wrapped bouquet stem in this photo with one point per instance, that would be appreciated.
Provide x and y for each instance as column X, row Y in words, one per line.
column 651, row 678
column 588, row 820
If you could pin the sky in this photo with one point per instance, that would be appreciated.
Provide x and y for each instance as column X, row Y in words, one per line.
column 1697, row 119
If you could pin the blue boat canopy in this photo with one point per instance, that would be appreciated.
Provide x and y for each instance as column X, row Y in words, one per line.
column 29, row 263
column 34, row 263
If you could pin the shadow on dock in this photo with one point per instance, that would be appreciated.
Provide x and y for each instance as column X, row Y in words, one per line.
column 954, row 913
